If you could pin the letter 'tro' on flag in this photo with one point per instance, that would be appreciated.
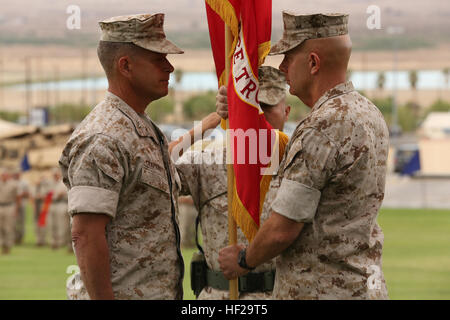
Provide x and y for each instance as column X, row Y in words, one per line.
column 252, row 137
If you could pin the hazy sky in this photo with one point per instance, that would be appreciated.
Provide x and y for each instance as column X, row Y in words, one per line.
column 49, row 16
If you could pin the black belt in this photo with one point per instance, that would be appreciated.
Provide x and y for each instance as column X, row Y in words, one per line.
column 6, row 204
column 251, row 282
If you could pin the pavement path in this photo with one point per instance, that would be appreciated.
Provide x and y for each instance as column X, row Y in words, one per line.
column 405, row 192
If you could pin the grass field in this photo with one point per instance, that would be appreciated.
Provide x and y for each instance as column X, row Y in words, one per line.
column 416, row 260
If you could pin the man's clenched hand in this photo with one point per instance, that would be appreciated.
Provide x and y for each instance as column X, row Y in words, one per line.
column 222, row 103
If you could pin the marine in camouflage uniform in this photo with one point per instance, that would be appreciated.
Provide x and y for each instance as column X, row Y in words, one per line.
column 24, row 194
column 204, row 176
column 187, row 215
column 8, row 211
column 41, row 190
column 58, row 219
column 116, row 163
column 332, row 181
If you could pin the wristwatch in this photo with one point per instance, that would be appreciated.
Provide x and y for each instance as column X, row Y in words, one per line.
column 241, row 260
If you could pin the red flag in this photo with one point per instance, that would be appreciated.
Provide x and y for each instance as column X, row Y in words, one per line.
column 252, row 137
column 44, row 211
column 218, row 13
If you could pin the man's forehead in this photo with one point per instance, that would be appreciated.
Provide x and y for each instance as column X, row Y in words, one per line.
column 282, row 104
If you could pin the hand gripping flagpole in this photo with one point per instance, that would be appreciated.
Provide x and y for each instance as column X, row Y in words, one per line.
column 232, row 228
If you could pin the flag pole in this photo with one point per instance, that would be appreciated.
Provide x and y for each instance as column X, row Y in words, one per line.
column 232, row 228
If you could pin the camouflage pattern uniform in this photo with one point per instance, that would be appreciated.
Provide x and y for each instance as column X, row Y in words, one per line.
column 24, row 193
column 207, row 183
column 187, row 216
column 114, row 164
column 40, row 193
column 299, row 28
column 117, row 163
column 8, row 211
column 58, row 219
column 332, row 179
column 204, row 176
column 144, row 30
column 272, row 85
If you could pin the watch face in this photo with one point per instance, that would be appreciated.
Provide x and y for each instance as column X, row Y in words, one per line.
column 241, row 260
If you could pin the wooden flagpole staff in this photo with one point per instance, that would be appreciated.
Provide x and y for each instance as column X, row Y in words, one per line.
column 232, row 228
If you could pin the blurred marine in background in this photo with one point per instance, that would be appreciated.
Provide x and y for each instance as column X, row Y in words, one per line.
column 204, row 176
column 58, row 219
column 40, row 198
column 9, row 205
column 24, row 193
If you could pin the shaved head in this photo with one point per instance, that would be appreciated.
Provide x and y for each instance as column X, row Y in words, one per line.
column 334, row 52
column 316, row 65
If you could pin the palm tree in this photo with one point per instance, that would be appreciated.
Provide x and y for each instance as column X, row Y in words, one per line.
column 413, row 79
column 381, row 81
column 446, row 72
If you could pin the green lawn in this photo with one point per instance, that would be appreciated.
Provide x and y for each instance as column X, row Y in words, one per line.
column 416, row 256
column 416, row 260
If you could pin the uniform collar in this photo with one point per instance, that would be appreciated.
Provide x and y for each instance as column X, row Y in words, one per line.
column 143, row 127
column 338, row 90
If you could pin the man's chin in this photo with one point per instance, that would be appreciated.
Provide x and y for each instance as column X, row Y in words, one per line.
column 160, row 94
column 291, row 91
column 165, row 92
column 165, row 88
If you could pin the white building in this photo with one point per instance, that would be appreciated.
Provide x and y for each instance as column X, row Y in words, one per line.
column 434, row 144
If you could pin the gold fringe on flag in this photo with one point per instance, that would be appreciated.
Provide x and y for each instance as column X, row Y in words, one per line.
column 263, row 51
column 223, row 82
column 242, row 217
column 226, row 11
column 240, row 213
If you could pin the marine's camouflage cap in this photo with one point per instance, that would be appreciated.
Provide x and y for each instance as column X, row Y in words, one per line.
column 272, row 85
column 144, row 30
column 298, row 28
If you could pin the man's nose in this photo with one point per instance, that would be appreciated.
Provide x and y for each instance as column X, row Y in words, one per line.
column 168, row 67
column 283, row 66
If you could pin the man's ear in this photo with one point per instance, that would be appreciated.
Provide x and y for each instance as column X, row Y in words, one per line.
column 287, row 112
column 314, row 63
column 123, row 65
